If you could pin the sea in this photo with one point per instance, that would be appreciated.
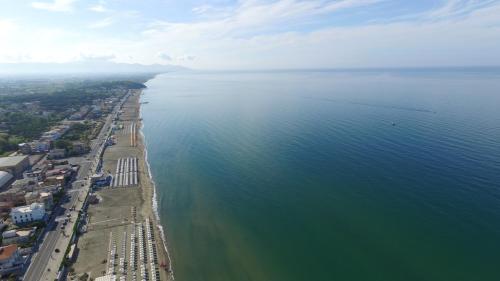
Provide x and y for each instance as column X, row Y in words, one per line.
column 349, row 175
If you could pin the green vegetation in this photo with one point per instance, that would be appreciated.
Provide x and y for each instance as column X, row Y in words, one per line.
column 74, row 97
column 30, row 107
column 79, row 132
column 57, row 197
column 26, row 125
column 8, row 143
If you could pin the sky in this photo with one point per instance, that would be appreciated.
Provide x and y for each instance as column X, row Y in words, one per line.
column 253, row 34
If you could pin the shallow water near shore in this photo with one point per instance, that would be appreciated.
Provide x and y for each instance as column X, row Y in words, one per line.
column 331, row 175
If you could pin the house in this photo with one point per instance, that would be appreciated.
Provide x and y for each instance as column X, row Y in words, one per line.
column 25, row 148
column 14, row 165
column 14, row 196
column 51, row 135
column 10, row 260
column 31, row 197
column 58, row 180
column 17, row 236
column 5, row 207
column 5, row 180
column 40, row 146
column 27, row 214
column 45, row 198
column 27, row 184
column 57, row 153
column 37, row 174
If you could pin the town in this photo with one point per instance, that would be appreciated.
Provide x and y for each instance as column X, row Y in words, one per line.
column 50, row 166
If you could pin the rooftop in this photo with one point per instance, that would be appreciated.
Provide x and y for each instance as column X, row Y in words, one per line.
column 7, row 251
column 29, row 208
column 11, row 160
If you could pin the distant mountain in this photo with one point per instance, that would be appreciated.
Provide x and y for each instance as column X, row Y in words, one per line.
column 84, row 67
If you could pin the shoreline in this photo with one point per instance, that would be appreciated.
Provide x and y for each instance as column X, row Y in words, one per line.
column 127, row 211
column 154, row 198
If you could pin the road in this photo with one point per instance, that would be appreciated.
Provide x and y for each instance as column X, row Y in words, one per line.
column 46, row 255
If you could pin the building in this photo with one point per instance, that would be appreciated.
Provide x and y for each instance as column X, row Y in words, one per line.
column 5, row 180
column 14, row 165
column 27, row 184
column 57, row 153
column 14, row 196
column 5, row 208
column 17, row 236
column 10, row 260
column 45, row 198
column 40, row 146
column 25, row 148
column 37, row 174
column 27, row 214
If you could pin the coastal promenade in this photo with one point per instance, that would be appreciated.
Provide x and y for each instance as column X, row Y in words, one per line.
column 122, row 236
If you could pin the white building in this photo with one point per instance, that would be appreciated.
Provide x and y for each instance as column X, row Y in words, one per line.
column 26, row 214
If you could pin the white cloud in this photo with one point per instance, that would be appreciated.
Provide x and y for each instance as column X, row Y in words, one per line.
column 164, row 56
column 102, row 23
column 99, row 8
column 6, row 27
column 472, row 39
column 96, row 58
column 257, row 34
column 186, row 58
column 55, row 5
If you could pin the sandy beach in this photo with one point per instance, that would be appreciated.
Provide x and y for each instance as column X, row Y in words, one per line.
column 124, row 214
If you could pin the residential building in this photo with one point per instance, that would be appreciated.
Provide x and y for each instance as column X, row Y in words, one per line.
column 26, row 184
column 14, row 165
column 17, row 236
column 25, row 148
column 57, row 153
column 6, row 180
column 10, row 260
column 27, row 214
column 45, row 198
column 14, row 196
column 40, row 146
column 5, row 208
column 37, row 174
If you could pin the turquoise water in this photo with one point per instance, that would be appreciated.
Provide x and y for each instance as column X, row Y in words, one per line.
column 381, row 175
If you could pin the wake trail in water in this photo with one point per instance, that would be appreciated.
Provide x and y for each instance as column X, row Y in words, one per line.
column 414, row 109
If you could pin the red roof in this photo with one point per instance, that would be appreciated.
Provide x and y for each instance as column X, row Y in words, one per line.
column 7, row 252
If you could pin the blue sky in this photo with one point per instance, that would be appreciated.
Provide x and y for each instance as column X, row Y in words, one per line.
column 253, row 34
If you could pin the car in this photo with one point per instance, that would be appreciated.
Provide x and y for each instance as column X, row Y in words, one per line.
column 63, row 226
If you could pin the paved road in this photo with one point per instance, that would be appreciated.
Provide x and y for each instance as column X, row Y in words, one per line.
column 46, row 253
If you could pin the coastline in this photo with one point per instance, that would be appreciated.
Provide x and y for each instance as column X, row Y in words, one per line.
column 126, row 213
column 154, row 199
